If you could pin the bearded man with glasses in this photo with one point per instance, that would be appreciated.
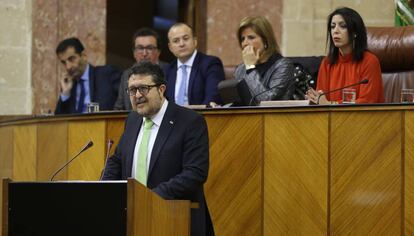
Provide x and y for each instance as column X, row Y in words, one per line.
column 164, row 146
column 146, row 44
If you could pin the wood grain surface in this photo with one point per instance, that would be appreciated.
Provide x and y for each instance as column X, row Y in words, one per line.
column 366, row 173
column 89, row 165
column 296, row 174
column 408, row 165
column 323, row 171
column 25, row 152
column 234, row 185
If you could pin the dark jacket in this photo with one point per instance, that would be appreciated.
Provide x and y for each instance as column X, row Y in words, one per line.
column 103, row 89
column 179, row 160
column 207, row 71
column 277, row 78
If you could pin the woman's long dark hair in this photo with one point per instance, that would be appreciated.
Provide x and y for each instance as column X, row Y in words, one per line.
column 357, row 34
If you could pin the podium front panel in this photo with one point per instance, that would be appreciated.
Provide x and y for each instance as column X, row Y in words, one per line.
column 67, row 208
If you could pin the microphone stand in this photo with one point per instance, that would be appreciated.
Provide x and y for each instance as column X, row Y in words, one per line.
column 108, row 149
column 364, row 81
column 87, row 146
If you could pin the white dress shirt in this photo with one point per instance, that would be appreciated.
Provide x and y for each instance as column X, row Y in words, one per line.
column 157, row 119
column 178, row 81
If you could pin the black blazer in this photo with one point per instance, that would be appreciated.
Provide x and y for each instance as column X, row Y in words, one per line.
column 103, row 89
column 179, row 160
column 206, row 72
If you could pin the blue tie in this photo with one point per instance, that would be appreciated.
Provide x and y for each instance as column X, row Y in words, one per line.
column 81, row 101
column 182, row 93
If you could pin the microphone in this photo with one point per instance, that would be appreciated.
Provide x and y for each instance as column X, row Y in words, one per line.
column 108, row 149
column 86, row 147
column 364, row 81
column 267, row 90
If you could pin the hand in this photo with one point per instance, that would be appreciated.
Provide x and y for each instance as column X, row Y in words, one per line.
column 250, row 55
column 214, row 105
column 66, row 85
column 316, row 98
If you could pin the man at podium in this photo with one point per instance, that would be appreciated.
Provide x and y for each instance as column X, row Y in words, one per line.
column 164, row 146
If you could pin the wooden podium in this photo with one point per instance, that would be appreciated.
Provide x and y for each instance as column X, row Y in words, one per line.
column 149, row 214
column 90, row 208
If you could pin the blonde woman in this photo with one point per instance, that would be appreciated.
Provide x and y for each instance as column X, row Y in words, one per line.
column 268, row 75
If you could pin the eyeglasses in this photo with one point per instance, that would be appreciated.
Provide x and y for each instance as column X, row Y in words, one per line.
column 143, row 89
column 140, row 49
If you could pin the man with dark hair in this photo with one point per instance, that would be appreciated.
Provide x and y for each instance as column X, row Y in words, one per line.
column 194, row 77
column 146, row 46
column 82, row 82
column 164, row 146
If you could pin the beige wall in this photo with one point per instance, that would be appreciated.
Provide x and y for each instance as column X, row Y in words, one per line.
column 53, row 21
column 30, row 32
column 15, row 57
column 223, row 19
column 304, row 22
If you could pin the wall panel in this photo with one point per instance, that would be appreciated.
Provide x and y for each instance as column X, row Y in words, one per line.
column 296, row 174
column 234, row 186
column 366, row 173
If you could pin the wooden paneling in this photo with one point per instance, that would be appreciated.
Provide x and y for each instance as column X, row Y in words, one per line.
column 409, row 173
column 234, row 185
column 6, row 152
column 24, row 152
column 114, row 130
column 296, row 174
column 320, row 171
column 149, row 214
column 52, row 144
column 89, row 165
column 6, row 161
column 366, row 173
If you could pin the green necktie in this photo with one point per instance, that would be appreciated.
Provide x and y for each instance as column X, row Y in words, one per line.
column 141, row 169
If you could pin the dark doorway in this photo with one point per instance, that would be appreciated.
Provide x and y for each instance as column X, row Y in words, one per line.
column 125, row 17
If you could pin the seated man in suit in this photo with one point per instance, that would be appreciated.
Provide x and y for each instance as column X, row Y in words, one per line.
column 164, row 146
column 84, row 83
column 193, row 78
column 146, row 46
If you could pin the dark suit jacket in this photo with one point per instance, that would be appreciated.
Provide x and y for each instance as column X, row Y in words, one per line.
column 207, row 71
column 123, row 102
column 179, row 160
column 103, row 89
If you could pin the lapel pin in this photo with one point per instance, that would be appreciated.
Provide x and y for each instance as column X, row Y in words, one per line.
column 171, row 122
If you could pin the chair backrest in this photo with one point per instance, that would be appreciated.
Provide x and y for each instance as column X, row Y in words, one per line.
column 394, row 47
column 229, row 71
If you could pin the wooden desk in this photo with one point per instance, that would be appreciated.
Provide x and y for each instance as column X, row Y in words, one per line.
column 292, row 171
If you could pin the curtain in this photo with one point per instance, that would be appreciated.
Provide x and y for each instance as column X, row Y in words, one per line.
column 404, row 12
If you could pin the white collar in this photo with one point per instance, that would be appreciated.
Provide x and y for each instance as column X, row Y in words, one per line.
column 157, row 118
column 189, row 62
column 85, row 75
